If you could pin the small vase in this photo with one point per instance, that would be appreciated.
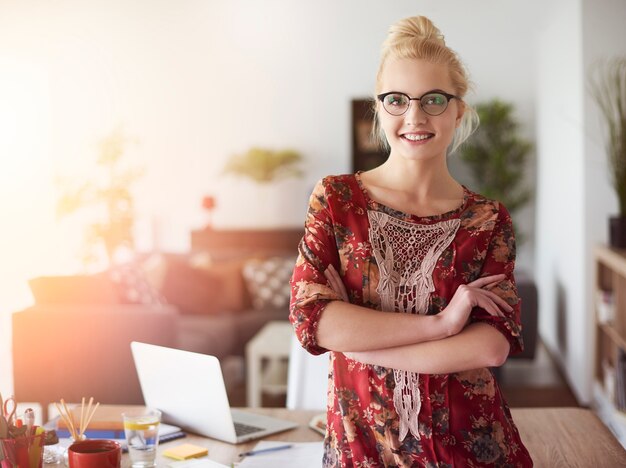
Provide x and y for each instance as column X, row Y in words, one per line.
column 617, row 232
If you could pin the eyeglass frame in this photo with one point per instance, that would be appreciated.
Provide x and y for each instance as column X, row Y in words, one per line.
column 448, row 96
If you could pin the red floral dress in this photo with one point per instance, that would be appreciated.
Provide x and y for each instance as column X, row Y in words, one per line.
column 451, row 420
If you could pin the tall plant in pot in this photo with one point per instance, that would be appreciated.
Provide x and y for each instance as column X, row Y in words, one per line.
column 497, row 156
column 608, row 88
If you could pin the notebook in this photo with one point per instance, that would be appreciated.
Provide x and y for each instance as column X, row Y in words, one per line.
column 189, row 390
column 300, row 454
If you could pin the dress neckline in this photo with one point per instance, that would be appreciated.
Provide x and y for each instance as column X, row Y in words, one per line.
column 378, row 206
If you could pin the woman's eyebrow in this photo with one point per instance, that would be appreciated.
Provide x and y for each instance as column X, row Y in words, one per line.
column 436, row 90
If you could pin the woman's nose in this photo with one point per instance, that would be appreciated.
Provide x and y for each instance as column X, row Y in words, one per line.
column 415, row 115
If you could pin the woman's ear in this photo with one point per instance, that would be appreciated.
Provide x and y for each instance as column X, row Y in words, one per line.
column 460, row 112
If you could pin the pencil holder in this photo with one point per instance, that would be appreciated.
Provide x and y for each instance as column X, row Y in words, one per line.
column 23, row 452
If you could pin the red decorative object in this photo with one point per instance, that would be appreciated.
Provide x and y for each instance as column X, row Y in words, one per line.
column 208, row 203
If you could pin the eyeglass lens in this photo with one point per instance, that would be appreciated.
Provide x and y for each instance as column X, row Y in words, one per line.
column 432, row 103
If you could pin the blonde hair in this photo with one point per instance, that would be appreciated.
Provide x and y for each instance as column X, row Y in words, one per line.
column 418, row 38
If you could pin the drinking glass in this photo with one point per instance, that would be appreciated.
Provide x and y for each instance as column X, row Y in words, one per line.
column 142, row 436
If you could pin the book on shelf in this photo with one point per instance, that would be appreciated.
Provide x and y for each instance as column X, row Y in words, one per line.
column 608, row 374
column 605, row 306
column 620, row 380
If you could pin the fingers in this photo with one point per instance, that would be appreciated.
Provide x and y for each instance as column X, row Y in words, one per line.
column 490, row 286
column 489, row 305
column 336, row 283
column 498, row 300
column 487, row 281
column 492, row 303
column 331, row 275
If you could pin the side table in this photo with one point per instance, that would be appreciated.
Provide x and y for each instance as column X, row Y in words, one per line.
column 267, row 356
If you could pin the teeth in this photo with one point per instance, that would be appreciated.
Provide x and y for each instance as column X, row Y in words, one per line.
column 413, row 137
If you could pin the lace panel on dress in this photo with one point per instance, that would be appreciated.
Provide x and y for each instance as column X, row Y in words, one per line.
column 406, row 254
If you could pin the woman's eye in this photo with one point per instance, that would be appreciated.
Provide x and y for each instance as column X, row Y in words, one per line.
column 434, row 100
column 396, row 100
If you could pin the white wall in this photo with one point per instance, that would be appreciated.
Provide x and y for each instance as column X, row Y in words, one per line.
column 574, row 198
column 560, row 190
column 604, row 34
column 195, row 81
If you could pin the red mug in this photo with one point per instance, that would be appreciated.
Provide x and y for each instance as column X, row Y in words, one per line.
column 95, row 454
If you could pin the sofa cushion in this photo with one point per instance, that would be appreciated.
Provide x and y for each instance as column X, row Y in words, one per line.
column 79, row 289
column 192, row 290
column 210, row 289
column 234, row 295
column 268, row 281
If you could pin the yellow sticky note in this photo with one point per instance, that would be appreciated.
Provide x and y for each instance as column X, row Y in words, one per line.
column 185, row 451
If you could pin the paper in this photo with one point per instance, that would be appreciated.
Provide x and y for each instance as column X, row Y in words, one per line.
column 185, row 451
column 301, row 454
column 197, row 463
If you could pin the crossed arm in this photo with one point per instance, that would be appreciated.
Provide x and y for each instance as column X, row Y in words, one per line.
column 435, row 344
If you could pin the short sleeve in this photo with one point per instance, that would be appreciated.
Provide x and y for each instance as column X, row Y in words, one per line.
column 310, row 292
column 500, row 258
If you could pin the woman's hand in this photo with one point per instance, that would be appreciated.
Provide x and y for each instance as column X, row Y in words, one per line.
column 336, row 282
column 474, row 294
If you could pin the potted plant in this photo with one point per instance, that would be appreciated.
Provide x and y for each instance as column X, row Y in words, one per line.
column 264, row 175
column 110, row 191
column 264, row 165
column 608, row 89
column 496, row 156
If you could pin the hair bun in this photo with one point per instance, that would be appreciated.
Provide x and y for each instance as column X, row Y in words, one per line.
column 416, row 27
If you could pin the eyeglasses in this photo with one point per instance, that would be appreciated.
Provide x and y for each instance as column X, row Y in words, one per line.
column 432, row 103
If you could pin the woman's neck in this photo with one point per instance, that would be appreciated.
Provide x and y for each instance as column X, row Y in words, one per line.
column 419, row 188
column 423, row 180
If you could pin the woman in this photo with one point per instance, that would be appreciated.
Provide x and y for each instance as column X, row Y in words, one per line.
column 406, row 276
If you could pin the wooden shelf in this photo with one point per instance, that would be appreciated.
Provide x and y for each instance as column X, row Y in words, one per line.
column 614, row 259
column 610, row 330
column 231, row 243
column 610, row 338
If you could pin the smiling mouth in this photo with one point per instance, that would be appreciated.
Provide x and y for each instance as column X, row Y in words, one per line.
column 418, row 137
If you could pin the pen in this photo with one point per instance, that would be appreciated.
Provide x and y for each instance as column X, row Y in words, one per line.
column 271, row 449
column 29, row 419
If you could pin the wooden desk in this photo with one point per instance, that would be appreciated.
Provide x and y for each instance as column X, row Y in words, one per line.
column 555, row 437
column 568, row 438
column 226, row 453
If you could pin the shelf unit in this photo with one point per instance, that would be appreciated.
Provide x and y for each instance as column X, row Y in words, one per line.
column 610, row 331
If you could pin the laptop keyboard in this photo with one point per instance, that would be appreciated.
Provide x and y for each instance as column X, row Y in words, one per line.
column 244, row 429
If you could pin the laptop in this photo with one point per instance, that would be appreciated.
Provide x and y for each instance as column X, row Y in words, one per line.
column 188, row 388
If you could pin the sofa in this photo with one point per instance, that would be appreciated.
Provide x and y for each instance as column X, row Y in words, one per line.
column 75, row 340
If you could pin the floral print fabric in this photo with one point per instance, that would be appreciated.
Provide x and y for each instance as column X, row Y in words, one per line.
column 464, row 420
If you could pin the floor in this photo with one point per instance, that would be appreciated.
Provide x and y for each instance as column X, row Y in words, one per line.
column 536, row 383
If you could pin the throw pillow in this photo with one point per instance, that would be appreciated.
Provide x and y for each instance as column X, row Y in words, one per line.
column 133, row 287
column 234, row 296
column 268, row 281
column 192, row 290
